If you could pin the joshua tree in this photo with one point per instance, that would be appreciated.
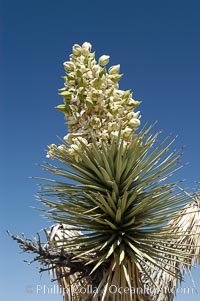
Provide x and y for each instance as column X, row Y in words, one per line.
column 123, row 231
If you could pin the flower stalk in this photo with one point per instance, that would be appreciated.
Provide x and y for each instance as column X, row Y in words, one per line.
column 93, row 103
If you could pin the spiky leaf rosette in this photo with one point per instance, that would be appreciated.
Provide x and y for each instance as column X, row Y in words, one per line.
column 121, row 202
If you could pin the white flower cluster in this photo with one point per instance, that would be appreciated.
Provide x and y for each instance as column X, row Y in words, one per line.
column 93, row 104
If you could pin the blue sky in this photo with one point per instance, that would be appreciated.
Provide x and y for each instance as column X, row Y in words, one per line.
column 157, row 44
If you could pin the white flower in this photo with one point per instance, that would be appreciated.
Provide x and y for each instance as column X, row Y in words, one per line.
column 115, row 77
column 62, row 147
column 114, row 134
column 96, row 68
column 69, row 66
column 71, row 151
column 52, row 150
column 52, row 147
column 133, row 103
column 74, row 147
column 89, row 103
column 134, row 122
column 133, row 115
column 104, row 60
column 127, row 132
column 68, row 138
column 114, row 69
column 83, row 140
column 87, row 46
column 49, row 155
column 137, row 114
column 113, row 126
column 76, row 49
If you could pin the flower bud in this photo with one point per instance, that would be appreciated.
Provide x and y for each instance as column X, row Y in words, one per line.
column 74, row 146
column 109, row 127
column 66, row 94
column 85, row 52
column 133, row 103
column 52, row 146
column 116, row 77
column 76, row 141
column 68, row 138
column 71, row 151
column 72, row 121
column 112, row 126
column 50, row 154
column 136, row 114
column 92, row 58
column 89, row 103
column 114, row 69
column 76, row 50
column 104, row 60
column 127, row 94
column 62, row 147
column 96, row 68
column 134, row 122
column 105, row 135
column 83, row 140
column 87, row 46
column 109, row 115
column 62, row 108
column 114, row 108
column 114, row 134
column 130, row 115
column 69, row 66
column 127, row 132
column 97, row 120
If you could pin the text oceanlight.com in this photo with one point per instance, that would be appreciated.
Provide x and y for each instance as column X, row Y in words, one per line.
column 113, row 289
